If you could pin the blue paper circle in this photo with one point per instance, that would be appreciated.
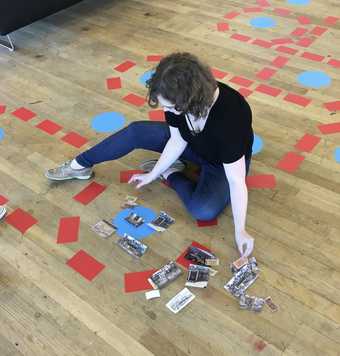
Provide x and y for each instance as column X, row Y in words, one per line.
column 146, row 76
column 2, row 134
column 314, row 79
column 298, row 2
column 263, row 22
column 337, row 154
column 139, row 233
column 257, row 144
column 108, row 122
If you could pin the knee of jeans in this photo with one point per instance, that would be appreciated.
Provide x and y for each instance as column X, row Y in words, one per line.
column 204, row 212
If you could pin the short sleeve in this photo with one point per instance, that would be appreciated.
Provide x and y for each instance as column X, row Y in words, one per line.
column 232, row 151
column 171, row 119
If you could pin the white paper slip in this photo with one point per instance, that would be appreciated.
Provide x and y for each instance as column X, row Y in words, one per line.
column 152, row 294
column 180, row 300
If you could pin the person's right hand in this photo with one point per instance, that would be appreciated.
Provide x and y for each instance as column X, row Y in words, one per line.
column 141, row 179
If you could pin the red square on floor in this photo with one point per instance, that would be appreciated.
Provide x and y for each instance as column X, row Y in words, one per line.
column 74, row 139
column 231, row 15
column 330, row 128
column 68, row 229
column 3, row 200
column 305, row 42
column 135, row 100
column 280, row 61
column 85, row 265
column 265, row 73
column 299, row 31
column 261, row 181
column 281, row 41
column 125, row 66
column 49, row 127
column 253, row 9
column 154, row 57
column 334, row 63
column 307, row 143
column 183, row 261
column 239, row 37
column 290, row 162
column 21, row 220
column 222, row 27
column 218, row 74
column 312, row 56
column 245, row 92
column 266, row 89
column 303, row 20
column 287, row 50
column 333, row 105
column 241, row 81
column 126, row 175
column 138, row 281
column 89, row 193
column 157, row 115
column 297, row 99
column 113, row 83
column 282, row 12
column 262, row 43
column 24, row 114
column 2, row 109
column 263, row 3
column 318, row 31
column 205, row 223
column 331, row 20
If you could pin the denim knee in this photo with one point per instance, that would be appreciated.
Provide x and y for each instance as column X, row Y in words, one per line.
column 203, row 211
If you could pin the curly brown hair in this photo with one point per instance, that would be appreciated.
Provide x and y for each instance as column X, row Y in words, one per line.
column 182, row 79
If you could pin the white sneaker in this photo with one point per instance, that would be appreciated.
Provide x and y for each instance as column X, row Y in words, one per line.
column 177, row 166
column 3, row 211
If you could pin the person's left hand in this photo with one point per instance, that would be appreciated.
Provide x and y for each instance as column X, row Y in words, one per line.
column 244, row 242
column 141, row 179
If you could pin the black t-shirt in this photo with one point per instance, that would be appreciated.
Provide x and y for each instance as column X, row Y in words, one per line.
column 227, row 134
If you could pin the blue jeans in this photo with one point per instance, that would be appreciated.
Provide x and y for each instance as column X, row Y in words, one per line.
column 204, row 200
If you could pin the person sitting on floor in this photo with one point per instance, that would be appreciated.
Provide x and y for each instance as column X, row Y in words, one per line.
column 207, row 123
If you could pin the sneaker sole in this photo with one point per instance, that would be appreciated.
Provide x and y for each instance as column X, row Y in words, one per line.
column 69, row 178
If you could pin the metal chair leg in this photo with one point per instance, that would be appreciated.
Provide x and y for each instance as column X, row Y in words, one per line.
column 9, row 44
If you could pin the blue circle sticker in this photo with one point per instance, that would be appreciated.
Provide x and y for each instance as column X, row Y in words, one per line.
column 337, row 155
column 2, row 134
column 262, row 22
column 314, row 79
column 108, row 122
column 298, row 2
column 257, row 144
column 146, row 76
column 140, row 232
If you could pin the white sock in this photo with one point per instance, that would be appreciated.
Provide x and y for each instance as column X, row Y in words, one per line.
column 169, row 171
column 76, row 165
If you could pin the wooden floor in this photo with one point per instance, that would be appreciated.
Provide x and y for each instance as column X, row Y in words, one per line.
column 59, row 71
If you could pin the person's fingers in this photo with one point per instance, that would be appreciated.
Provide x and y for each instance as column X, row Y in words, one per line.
column 249, row 249
column 135, row 178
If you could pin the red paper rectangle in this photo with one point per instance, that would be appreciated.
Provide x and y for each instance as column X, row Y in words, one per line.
column 330, row 128
column 183, row 261
column 331, row 20
column 157, row 115
column 265, row 73
column 24, row 114
column 304, row 20
column 222, row 27
column 125, row 66
column 262, row 43
column 263, row 3
column 3, row 200
column 297, row 99
column 318, row 31
column 85, row 265
column 126, row 175
column 282, row 12
column 68, row 229
column 134, row 99
column 89, row 193
column 299, row 31
column 266, row 89
column 245, row 92
column 285, row 49
column 280, row 61
column 239, row 37
column 253, row 9
column 2, row 109
column 334, row 63
column 305, row 42
column 205, row 223
column 231, row 15
column 138, row 281
column 21, row 220
column 290, row 162
column 154, row 57
column 49, row 127
column 74, row 139
column 261, row 181
column 307, row 143
column 280, row 41
column 218, row 74
column 241, row 81
column 312, row 56
column 113, row 83
column 332, row 105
